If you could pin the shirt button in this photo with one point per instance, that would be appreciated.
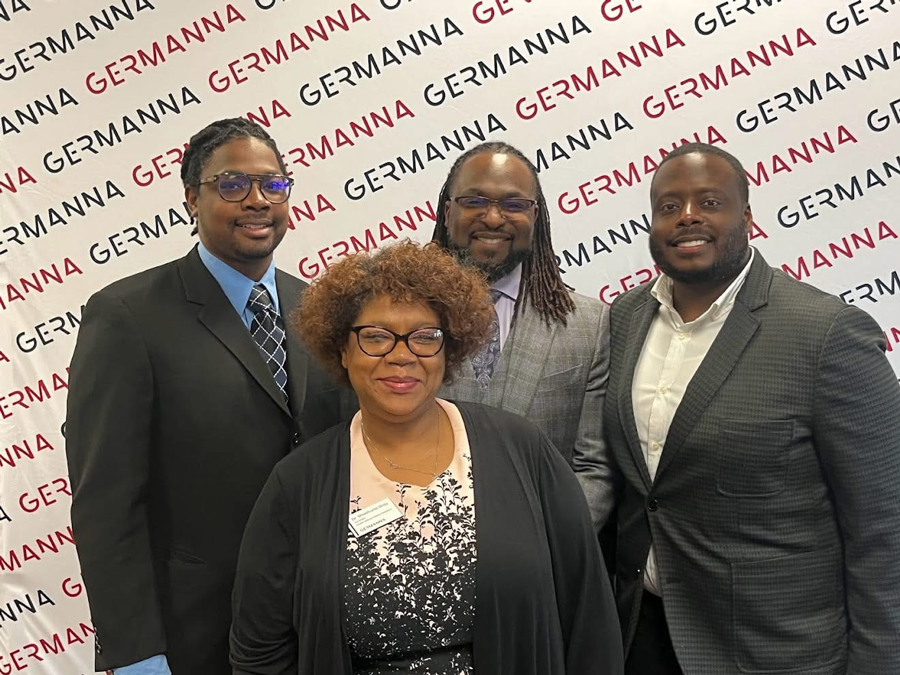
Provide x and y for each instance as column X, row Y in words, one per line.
column 655, row 446
column 681, row 336
column 663, row 390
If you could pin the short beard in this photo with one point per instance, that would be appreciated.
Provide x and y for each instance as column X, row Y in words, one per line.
column 725, row 268
column 494, row 271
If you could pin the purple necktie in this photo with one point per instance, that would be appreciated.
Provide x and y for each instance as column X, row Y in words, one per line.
column 486, row 359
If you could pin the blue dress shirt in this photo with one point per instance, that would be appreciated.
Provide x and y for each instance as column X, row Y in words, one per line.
column 236, row 286
column 237, row 289
column 155, row 665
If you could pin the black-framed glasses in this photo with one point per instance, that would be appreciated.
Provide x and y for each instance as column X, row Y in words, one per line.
column 506, row 205
column 234, row 187
column 378, row 341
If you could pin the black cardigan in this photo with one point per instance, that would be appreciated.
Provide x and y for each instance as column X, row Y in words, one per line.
column 543, row 603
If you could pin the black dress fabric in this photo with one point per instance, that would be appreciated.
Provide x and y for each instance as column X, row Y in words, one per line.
column 409, row 601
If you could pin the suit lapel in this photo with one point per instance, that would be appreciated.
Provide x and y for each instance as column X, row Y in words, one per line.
column 637, row 335
column 527, row 349
column 723, row 355
column 218, row 315
column 465, row 387
column 297, row 356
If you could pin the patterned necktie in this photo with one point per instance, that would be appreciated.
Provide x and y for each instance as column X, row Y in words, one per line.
column 486, row 359
column 267, row 329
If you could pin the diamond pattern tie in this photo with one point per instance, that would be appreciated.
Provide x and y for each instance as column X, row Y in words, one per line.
column 486, row 359
column 267, row 329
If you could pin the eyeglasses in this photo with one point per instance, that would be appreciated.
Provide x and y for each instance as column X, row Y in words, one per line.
column 507, row 205
column 234, row 187
column 378, row 341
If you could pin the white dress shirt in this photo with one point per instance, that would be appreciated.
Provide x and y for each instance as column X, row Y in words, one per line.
column 671, row 355
column 506, row 303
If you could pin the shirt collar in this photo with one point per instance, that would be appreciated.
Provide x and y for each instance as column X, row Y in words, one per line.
column 662, row 291
column 235, row 285
column 509, row 285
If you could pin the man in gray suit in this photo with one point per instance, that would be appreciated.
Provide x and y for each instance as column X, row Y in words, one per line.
column 547, row 360
column 756, row 425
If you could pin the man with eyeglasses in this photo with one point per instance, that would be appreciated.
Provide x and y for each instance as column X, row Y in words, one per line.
column 548, row 357
column 186, row 388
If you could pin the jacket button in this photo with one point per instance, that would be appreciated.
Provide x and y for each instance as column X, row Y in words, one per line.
column 653, row 505
column 296, row 439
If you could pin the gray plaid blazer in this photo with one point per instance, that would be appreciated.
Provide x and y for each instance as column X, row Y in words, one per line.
column 556, row 376
column 775, row 513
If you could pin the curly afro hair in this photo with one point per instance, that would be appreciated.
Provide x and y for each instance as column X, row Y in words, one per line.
column 406, row 272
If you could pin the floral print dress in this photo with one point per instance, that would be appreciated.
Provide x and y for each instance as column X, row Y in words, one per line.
column 410, row 591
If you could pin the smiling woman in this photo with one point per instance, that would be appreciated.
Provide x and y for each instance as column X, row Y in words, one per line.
column 405, row 273
column 369, row 533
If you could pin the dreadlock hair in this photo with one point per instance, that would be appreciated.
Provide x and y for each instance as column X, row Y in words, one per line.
column 740, row 173
column 210, row 138
column 541, row 282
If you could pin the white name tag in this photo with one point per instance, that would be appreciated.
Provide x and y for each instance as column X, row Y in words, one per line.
column 373, row 517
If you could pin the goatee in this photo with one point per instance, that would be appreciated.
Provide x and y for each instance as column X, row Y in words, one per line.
column 494, row 271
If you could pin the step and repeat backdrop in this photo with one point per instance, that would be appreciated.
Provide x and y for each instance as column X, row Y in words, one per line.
column 370, row 102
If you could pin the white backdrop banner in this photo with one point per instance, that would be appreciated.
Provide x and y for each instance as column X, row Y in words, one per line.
column 370, row 102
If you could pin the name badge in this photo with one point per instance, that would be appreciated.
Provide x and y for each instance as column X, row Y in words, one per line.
column 373, row 517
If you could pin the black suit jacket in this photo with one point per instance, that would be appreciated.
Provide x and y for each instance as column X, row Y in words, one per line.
column 174, row 424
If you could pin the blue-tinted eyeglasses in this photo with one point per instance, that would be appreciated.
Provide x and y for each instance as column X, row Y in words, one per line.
column 234, row 187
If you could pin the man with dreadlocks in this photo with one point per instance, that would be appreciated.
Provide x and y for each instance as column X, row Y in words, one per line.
column 548, row 357
column 187, row 387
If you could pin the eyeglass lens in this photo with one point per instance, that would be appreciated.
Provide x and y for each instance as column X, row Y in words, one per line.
column 379, row 341
column 235, row 187
column 509, row 205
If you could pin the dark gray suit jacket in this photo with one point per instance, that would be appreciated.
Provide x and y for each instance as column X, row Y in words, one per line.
column 555, row 376
column 174, row 424
column 775, row 513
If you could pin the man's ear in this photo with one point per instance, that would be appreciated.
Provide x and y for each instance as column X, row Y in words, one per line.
column 447, row 205
column 192, row 197
column 748, row 218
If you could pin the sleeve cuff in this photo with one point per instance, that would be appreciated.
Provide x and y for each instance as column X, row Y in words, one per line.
column 155, row 665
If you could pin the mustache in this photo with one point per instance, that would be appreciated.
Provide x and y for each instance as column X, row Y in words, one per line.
column 692, row 232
